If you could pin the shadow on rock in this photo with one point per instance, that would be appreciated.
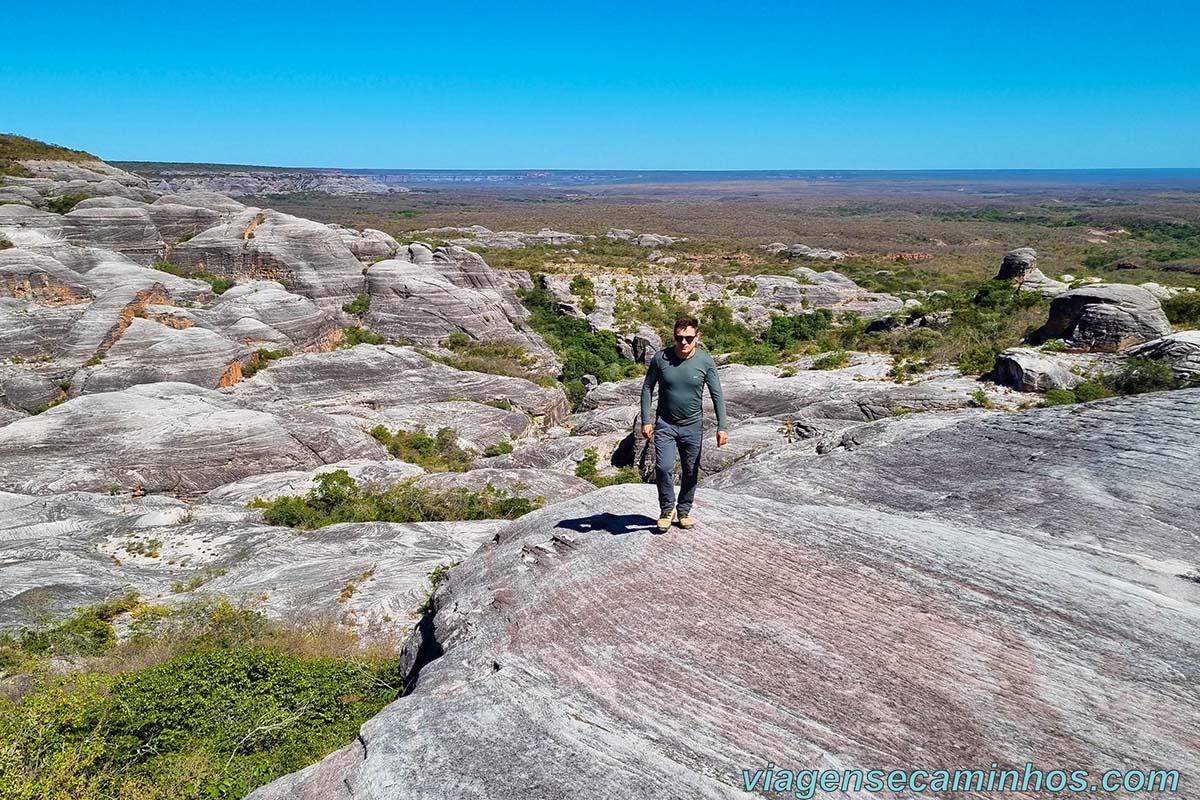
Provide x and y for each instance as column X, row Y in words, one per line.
column 615, row 524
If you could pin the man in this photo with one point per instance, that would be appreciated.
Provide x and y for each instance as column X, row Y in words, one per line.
column 680, row 373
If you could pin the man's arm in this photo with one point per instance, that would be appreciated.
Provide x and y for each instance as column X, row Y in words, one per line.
column 647, row 394
column 718, row 400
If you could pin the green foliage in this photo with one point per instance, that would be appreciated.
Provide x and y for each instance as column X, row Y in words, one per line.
column 262, row 358
column 980, row 399
column 64, row 203
column 785, row 332
column 498, row 449
column 14, row 149
column 437, row 576
column 978, row 360
column 493, row 356
column 583, row 288
column 588, row 469
column 211, row 724
column 356, row 335
column 1138, row 375
column 1088, row 391
column 1060, row 397
column 95, row 360
column 358, row 306
column 1054, row 346
column 584, row 352
column 87, row 632
column 5, row 243
column 437, row 453
column 1183, row 308
column 834, row 360
column 337, row 498
column 1175, row 240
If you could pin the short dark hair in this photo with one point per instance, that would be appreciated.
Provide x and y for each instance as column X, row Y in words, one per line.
column 686, row 321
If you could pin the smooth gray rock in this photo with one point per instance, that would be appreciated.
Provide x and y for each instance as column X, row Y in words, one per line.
column 305, row 256
column 645, row 344
column 542, row 485
column 865, row 590
column 176, row 223
column 1107, row 317
column 71, row 550
column 149, row 352
column 477, row 425
column 1036, row 281
column 370, row 475
column 264, row 314
column 379, row 377
column 1017, row 265
column 1181, row 350
column 165, row 437
column 1029, row 370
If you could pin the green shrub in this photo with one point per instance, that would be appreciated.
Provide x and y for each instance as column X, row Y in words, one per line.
column 785, row 332
column 356, row 335
column 219, row 283
column 498, row 449
column 1183, row 308
column 1060, row 397
column 437, row 576
column 493, row 356
column 358, row 306
column 262, row 358
column 437, row 453
column 337, row 498
column 5, row 243
column 213, row 724
column 1088, row 391
column 587, row 469
column 1054, row 346
column 834, row 360
column 1138, row 375
column 978, row 361
column 64, row 203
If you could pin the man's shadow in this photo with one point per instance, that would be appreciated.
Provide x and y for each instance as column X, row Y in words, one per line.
column 616, row 524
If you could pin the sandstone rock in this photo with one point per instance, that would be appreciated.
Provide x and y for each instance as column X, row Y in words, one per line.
column 1181, row 350
column 1105, row 317
column 1017, row 264
column 164, row 437
column 380, row 377
column 370, row 475
column 1079, row 577
column 548, row 486
column 306, row 257
column 1036, row 281
column 125, row 229
column 1029, row 370
column 477, row 425
column 264, row 314
column 149, row 351
column 177, row 223
column 213, row 201
column 642, row 239
column 368, row 245
column 645, row 343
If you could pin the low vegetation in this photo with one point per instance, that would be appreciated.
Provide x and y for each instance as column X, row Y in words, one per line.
column 1183, row 310
column 14, row 149
column 437, row 453
column 219, row 283
column 205, row 701
column 358, row 306
column 358, row 335
column 261, row 360
column 64, row 203
column 494, row 356
column 337, row 498
column 588, row 469
column 584, row 352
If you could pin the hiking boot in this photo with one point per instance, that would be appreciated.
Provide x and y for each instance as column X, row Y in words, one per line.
column 664, row 522
column 686, row 522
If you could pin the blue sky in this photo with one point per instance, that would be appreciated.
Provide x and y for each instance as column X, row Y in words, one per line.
column 572, row 85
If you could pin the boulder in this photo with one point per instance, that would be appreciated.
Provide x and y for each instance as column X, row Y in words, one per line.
column 305, row 256
column 149, row 351
column 1108, row 317
column 1029, row 370
column 127, row 229
column 165, row 437
column 1181, row 350
column 645, row 343
column 1017, row 264
column 264, row 314
column 1036, row 281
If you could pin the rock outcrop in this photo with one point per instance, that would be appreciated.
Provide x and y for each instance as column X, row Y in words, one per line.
column 1181, row 350
column 1030, row 370
column 1104, row 317
column 576, row 624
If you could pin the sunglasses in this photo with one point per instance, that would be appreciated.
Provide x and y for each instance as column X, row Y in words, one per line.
column 685, row 339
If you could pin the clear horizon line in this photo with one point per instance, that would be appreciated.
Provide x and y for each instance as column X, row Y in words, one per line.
column 657, row 169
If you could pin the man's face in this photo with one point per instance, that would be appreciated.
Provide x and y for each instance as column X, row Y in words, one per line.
column 686, row 340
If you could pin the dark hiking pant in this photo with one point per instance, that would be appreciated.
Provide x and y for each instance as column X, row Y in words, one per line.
column 668, row 440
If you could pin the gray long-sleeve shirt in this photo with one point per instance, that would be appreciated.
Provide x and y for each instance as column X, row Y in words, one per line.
column 681, row 383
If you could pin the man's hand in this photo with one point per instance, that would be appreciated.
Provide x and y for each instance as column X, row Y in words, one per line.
column 722, row 438
column 648, row 431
